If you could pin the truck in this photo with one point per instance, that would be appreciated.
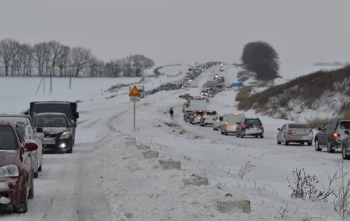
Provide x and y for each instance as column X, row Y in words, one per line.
column 198, row 104
column 70, row 109
column 211, row 83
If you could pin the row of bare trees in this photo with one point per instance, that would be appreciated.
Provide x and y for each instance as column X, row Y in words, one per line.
column 55, row 59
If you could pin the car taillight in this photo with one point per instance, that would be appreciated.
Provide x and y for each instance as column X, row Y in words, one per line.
column 290, row 132
column 311, row 131
column 262, row 126
column 336, row 134
column 203, row 116
column 226, row 123
column 244, row 126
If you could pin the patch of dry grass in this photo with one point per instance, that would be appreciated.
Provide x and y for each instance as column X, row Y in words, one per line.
column 317, row 122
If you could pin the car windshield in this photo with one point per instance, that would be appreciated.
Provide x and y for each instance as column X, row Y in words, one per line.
column 211, row 112
column 52, row 108
column 50, row 121
column 253, row 122
column 344, row 125
column 200, row 113
column 15, row 119
column 7, row 138
column 298, row 126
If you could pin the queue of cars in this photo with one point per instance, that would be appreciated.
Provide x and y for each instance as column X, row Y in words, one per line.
column 47, row 126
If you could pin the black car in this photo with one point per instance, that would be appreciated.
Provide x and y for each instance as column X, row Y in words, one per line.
column 58, row 131
column 250, row 127
column 330, row 136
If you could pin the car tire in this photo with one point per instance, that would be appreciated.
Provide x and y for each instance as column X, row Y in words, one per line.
column 40, row 168
column 242, row 135
column 22, row 207
column 31, row 192
column 286, row 143
column 222, row 133
column 226, row 133
column 317, row 146
column 343, row 153
column 309, row 143
column 278, row 142
column 70, row 149
column 329, row 149
column 261, row 136
column 36, row 174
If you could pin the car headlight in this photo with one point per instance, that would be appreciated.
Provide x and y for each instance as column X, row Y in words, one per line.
column 65, row 135
column 8, row 171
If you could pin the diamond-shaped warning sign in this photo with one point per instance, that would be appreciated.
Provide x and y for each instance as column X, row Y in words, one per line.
column 134, row 92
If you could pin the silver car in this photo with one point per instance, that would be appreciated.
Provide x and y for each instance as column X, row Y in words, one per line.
column 230, row 123
column 295, row 133
column 218, row 122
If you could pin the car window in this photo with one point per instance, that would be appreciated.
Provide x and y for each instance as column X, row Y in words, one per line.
column 7, row 138
column 298, row 126
column 325, row 126
column 329, row 126
column 211, row 113
column 221, row 118
column 20, row 136
column 50, row 121
column 283, row 127
column 344, row 125
column 253, row 122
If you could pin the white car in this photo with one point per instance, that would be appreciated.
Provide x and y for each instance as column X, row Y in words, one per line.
column 218, row 122
column 230, row 123
column 209, row 118
column 29, row 132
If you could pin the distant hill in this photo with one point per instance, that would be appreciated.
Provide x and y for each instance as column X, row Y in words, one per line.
column 322, row 94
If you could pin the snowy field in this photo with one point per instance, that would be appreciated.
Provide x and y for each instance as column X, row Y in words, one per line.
column 107, row 177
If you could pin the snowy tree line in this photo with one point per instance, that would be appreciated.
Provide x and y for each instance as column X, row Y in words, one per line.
column 58, row 60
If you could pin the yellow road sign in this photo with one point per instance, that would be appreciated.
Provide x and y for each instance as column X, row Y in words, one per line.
column 134, row 92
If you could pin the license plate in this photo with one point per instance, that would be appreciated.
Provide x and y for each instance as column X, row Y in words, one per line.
column 48, row 141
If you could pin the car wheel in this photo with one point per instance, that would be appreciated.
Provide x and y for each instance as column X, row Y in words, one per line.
column 317, row 146
column 36, row 174
column 70, row 149
column 309, row 143
column 226, row 133
column 242, row 135
column 40, row 168
column 329, row 148
column 22, row 207
column 278, row 142
column 286, row 143
column 222, row 132
column 344, row 155
column 261, row 136
column 31, row 192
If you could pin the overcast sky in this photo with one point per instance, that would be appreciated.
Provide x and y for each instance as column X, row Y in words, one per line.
column 185, row 31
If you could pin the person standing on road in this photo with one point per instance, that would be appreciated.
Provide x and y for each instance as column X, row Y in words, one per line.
column 171, row 112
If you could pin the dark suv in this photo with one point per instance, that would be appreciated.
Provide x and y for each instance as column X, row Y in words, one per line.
column 331, row 134
column 250, row 127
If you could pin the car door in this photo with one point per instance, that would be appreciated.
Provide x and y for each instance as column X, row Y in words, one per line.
column 280, row 133
column 331, row 128
column 322, row 135
column 26, row 155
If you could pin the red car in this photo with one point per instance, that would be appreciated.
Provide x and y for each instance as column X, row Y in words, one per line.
column 16, row 167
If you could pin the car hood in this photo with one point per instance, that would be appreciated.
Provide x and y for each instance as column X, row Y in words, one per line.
column 7, row 157
column 54, row 130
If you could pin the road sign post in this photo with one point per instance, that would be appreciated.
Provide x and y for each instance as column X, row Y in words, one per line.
column 134, row 97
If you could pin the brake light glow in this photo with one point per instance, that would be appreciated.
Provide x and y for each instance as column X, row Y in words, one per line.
column 244, row 126
column 262, row 126
column 290, row 132
column 226, row 123
column 236, row 113
column 203, row 116
column 336, row 134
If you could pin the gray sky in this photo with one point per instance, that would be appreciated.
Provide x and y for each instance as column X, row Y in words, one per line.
column 185, row 31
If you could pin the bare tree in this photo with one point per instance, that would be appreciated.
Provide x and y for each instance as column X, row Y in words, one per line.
column 96, row 67
column 39, row 56
column 134, row 65
column 80, row 58
column 113, row 68
column 55, row 48
column 7, row 48
column 25, row 58
column 63, row 60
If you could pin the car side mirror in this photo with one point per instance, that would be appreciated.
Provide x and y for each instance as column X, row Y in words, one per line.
column 347, row 132
column 319, row 128
column 76, row 115
column 238, row 123
column 31, row 146
column 73, row 125
column 39, row 130
column 26, row 113
column 279, row 129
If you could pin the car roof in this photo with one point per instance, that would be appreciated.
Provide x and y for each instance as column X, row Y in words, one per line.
column 4, row 122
